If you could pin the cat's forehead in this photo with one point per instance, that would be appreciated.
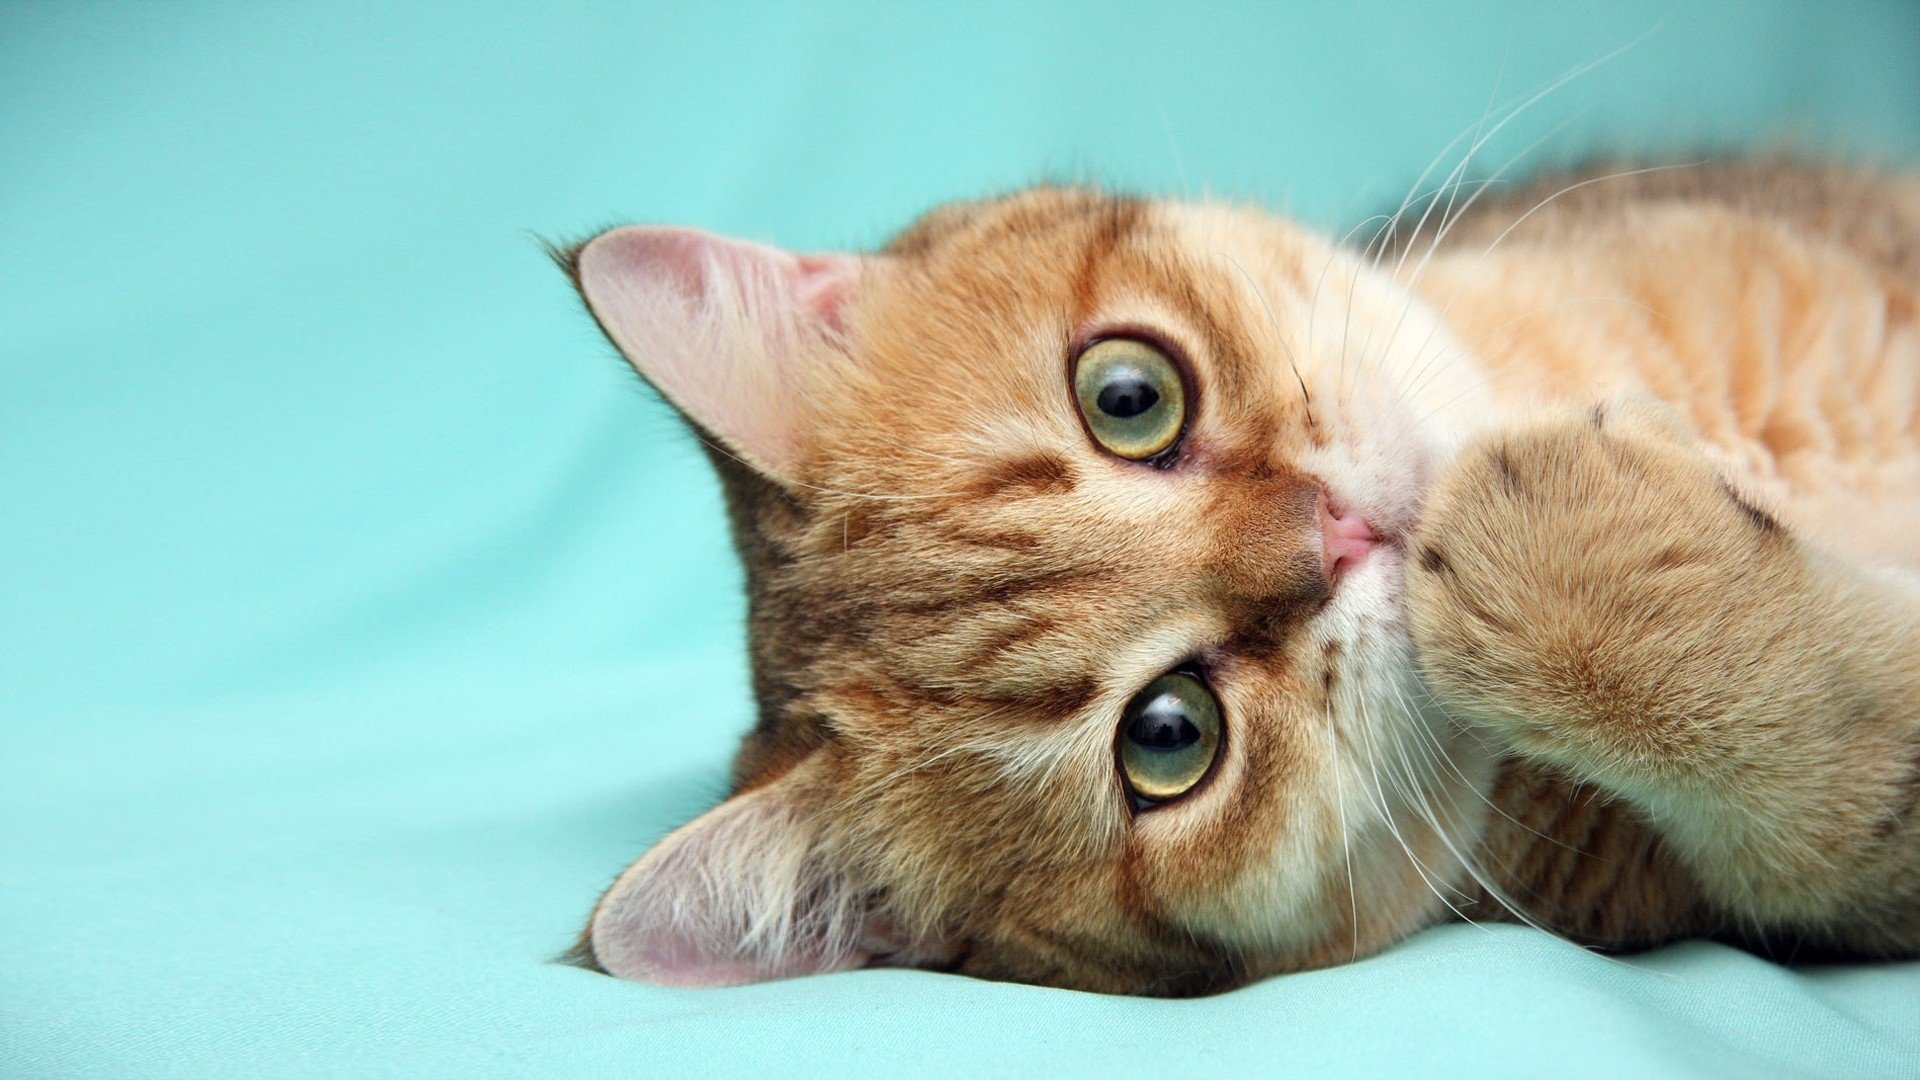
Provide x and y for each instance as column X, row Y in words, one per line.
column 1077, row 222
column 1036, row 215
column 968, row 339
column 996, row 553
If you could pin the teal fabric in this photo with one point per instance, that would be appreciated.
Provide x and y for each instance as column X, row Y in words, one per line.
column 363, row 616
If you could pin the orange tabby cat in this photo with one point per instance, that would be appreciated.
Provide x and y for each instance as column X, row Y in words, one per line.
column 1150, row 596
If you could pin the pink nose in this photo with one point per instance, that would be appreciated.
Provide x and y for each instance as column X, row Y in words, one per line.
column 1347, row 538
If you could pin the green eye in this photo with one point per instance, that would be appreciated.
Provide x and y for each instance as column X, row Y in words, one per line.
column 1168, row 737
column 1132, row 397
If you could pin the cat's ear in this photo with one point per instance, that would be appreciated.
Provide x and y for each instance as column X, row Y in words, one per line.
column 726, row 329
column 738, row 895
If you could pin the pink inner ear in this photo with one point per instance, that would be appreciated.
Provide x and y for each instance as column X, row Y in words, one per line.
column 724, row 328
column 825, row 285
column 685, row 914
column 668, row 962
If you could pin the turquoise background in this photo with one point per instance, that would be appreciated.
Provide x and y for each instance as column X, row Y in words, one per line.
column 363, row 616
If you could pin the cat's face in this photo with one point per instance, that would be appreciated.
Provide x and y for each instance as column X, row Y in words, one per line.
column 993, row 487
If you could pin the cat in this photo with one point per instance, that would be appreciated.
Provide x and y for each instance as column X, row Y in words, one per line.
column 1151, row 596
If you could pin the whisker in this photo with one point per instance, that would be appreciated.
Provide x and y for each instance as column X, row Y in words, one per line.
column 1450, row 216
column 1346, row 834
column 1440, row 316
column 1334, row 251
column 1274, row 321
column 1386, row 812
column 1447, row 222
column 1436, row 752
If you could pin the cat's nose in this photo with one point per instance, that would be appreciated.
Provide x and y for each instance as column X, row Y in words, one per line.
column 1268, row 547
column 1347, row 539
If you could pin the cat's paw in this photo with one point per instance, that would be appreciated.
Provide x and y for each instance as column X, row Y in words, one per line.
column 1592, row 577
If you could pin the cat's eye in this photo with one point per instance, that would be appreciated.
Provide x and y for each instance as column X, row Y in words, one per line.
column 1169, row 735
column 1132, row 397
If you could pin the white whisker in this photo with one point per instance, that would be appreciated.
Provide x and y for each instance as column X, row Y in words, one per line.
column 1280, row 339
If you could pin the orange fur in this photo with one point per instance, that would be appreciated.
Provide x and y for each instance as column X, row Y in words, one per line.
column 1678, row 640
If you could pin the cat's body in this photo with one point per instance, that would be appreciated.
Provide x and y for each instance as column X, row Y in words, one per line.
column 1489, row 634
column 1769, row 303
column 1772, row 307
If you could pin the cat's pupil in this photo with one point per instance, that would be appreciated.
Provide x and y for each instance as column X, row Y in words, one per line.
column 1164, row 725
column 1127, row 397
column 1168, row 738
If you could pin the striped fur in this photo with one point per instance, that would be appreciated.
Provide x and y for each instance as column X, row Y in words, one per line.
column 1626, row 670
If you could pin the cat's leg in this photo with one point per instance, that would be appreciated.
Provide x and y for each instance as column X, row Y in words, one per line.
column 1594, row 593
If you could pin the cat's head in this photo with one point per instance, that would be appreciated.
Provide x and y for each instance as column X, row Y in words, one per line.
column 1072, row 533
